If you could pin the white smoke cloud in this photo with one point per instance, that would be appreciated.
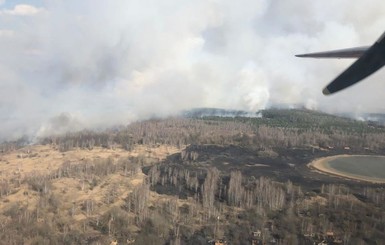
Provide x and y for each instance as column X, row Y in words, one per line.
column 103, row 63
column 60, row 124
column 22, row 9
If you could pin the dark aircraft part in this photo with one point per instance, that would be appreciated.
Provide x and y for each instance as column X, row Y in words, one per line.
column 341, row 53
column 372, row 60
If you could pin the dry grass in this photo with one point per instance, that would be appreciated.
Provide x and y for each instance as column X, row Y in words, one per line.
column 46, row 158
column 70, row 193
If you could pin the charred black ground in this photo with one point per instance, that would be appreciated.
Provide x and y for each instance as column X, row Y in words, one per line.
column 243, row 179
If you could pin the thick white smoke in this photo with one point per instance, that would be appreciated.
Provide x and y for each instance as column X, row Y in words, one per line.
column 70, row 64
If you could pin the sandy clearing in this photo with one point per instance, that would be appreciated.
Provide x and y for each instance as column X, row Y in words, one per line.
column 321, row 165
column 71, row 192
column 46, row 158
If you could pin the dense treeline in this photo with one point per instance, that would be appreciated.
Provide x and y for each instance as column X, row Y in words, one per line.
column 276, row 129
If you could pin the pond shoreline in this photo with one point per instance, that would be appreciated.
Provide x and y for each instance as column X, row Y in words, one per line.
column 322, row 165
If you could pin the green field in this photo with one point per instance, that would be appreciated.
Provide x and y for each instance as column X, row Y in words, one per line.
column 362, row 166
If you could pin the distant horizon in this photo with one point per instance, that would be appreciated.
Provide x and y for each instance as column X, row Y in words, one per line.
column 193, row 112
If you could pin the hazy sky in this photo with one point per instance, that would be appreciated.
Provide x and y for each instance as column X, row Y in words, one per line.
column 70, row 64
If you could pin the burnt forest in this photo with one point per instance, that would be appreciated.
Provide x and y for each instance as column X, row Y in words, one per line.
column 208, row 176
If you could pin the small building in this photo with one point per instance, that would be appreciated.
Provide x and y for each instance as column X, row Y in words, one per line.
column 330, row 236
column 257, row 234
column 256, row 238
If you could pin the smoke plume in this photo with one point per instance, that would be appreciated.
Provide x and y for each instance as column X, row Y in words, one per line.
column 68, row 65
